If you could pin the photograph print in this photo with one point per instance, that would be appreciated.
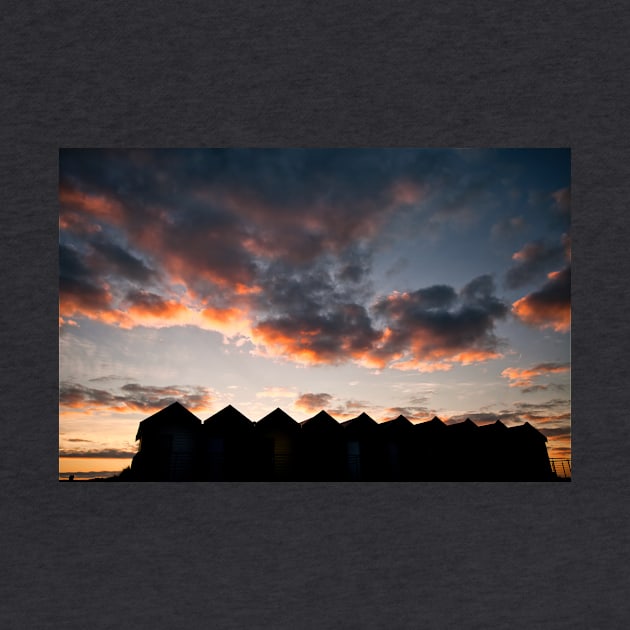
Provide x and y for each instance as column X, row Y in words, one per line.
column 315, row 314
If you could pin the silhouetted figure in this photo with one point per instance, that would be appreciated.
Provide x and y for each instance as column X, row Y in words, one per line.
column 71, row 478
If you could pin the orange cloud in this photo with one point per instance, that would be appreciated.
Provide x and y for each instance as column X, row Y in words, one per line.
column 166, row 309
column 274, row 343
column 555, row 316
column 524, row 377
column 131, row 398
column 313, row 402
column 99, row 206
column 550, row 306
column 229, row 321
column 406, row 192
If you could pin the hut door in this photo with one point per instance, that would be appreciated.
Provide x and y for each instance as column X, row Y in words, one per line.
column 281, row 456
column 165, row 457
column 354, row 460
column 217, row 458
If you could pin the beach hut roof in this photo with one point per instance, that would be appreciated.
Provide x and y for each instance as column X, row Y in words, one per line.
column 278, row 419
column 174, row 414
column 228, row 419
column 528, row 430
column 322, row 420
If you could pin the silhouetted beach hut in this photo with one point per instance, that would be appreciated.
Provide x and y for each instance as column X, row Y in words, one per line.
column 494, row 452
column 363, row 452
column 323, row 449
column 169, row 442
column 397, row 438
column 228, row 446
column 463, row 451
column 278, row 437
column 529, row 459
column 431, row 444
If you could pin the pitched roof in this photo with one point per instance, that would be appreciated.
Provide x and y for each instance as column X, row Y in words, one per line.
column 397, row 424
column 528, row 431
column 175, row 413
column 321, row 421
column 362, row 422
column 278, row 419
column 435, row 424
column 494, row 427
column 467, row 426
column 228, row 419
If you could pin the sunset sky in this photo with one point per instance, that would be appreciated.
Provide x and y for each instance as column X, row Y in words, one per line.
column 416, row 281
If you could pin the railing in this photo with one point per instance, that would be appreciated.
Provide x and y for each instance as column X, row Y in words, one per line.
column 561, row 467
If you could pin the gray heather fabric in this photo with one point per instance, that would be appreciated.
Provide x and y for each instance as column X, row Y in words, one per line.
column 314, row 556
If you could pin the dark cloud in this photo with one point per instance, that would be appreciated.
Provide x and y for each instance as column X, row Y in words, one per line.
column 278, row 241
column 534, row 261
column 550, row 306
column 309, row 322
column 113, row 259
column 78, row 288
column 485, row 417
column 550, row 414
column 417, row 410
column 350, row 408
column 133, row 397
column 325, row 336
column 507, row 227
column 399, row 265
column 435, row 324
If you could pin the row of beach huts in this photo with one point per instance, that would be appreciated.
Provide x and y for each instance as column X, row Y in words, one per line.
column 175, row 445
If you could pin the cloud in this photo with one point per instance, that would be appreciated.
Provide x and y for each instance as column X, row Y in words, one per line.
column 533, row 261
column 414, row 412
column 524, row 377
column 553, row 413
column 550, row 306
column 112, row 453
column 276, row 392
column 335, row 335
column 434, row 328
column 133, row 397
column 111, row 258
column 274, row 247
column 79, row 291
column 562, row 198
column 428, row 329
column 556, row 433
column 313, row 402
column 507, row 227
